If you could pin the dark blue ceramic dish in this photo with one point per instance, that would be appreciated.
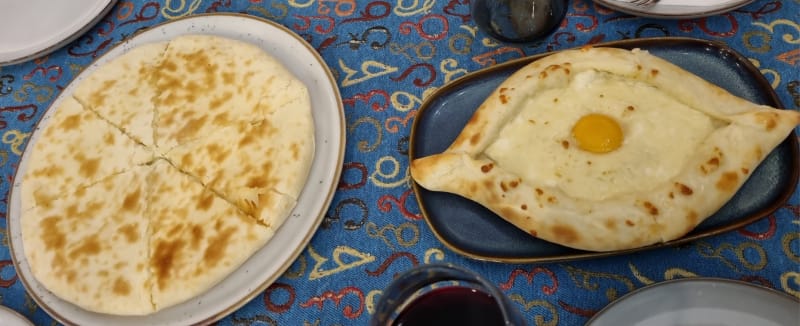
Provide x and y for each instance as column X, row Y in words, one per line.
column 472, row 230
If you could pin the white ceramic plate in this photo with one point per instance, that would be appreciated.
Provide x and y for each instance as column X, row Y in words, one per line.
column 33, row 28
column 701, row 301
column 266, row 265
column 12, row 318
column 676, row 10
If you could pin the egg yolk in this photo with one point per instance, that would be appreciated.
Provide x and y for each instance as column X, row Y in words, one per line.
column 597, row 133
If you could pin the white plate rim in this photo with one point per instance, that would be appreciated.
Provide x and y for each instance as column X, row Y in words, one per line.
column 12, row 317
column 673, row 11
column 668, row 284
column 66, row 36
column 315, row 199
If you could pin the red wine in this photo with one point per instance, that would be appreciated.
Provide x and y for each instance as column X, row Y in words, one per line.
column 455, row 305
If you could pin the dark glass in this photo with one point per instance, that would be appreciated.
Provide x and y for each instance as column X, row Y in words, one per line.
column 453, row 305
column 518, row 21
column 444, row 294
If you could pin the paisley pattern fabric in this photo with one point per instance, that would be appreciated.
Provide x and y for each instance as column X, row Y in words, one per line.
column 386, row 57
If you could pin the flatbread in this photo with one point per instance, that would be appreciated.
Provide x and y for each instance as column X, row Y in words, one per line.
column 240, row 149
column 90, row 250
column 498, row 161
column 206, row 82
column 254, row 165
column 76, row 148
column 197, row 238
column 118, row 94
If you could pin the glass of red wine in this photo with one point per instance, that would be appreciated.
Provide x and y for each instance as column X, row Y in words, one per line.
column 443, row 294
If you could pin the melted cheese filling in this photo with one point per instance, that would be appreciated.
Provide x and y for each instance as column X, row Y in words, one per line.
column 660, row 134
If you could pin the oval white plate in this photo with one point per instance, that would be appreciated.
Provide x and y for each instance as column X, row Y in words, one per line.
column 701, row 301
column 267, row 264
column 56, row 23
column 664, row 9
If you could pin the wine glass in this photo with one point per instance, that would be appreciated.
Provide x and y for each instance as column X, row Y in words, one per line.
column 518, row 21
column 444, row 294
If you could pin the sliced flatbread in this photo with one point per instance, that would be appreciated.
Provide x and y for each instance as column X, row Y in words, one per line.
column 122, row 92
column 76, row 148
column 688, row 147
column 240, row 131
column 89, row 244
column 205, row 82
column 261, row 167
column 197, row 238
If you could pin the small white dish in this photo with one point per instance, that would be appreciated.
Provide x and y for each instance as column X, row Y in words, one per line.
column 271, row 261
column 33, row 28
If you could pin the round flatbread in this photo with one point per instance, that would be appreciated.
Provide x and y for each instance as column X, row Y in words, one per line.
column 165, row 171
column 606, row 149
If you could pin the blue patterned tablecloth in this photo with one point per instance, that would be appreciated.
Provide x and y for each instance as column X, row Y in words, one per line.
column 386, row 56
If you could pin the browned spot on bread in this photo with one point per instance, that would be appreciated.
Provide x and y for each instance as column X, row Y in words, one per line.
column 192, row 127
column 109, row 138
column 187, row 159
column 487, row 167
column 131, row 201
column 165, row 257
column 684, row 189
column 552, row 200
column 692, row 218
column 221, row 118
column 630, row 108
column 610, row 223
column 652, row 209
column 217, row 152
column 129, row 232
column 758, row 153
column 216, row 103
column 71, row 122
column 121, row 287
column 88, row 167
column 532, row 121
column 565, row 233
column 543, row 75
column 205, row 201
column 745, row 171
column 629, row 223
column 588, row 162
column 555, row 100
column 51, row 171
column 539, row 191
column 197, row 235
column 728, row 181
column 214, row 253
column 713, row 163
column 503, row 186
column 565, row 144
column 671, row 195
column 654, row 72
column 768, row 119
column 503, row 89
column 524, row 207
column 52, row 236
column 80, row 192
column 475, row 138
column 638, row 67
column 89, row 246
column 227, row 77
column 532, row 232
column 503, row 98
column 514, row 183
